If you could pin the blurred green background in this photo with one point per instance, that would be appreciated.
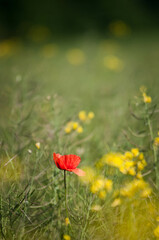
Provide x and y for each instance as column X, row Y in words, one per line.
column 70, row 17
column 94, row 54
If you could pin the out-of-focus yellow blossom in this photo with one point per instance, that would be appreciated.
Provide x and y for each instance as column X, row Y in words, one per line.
column 49, row 50
column 82, row 115
column 132, row 171
column 37, row 145
column 97, row 185
column 139, row 175
column 116, row 202
column 135, row 152
column 67, row 221
column 66, row 237
column 147, row 99
column 67, row 129
column 79, row 129
column 156, row 232
column 113, row 159
column 75, row 57
column 157, row 218
column 89, row 176
column 119, row 28
column 39, row 33
column 9, row 47
column 102, row 194
column 108, row 185
column 113, row 63
column 134, row 187
column 146, row 192
column 90, row 115
column 75, row 125
column 128, row 163
column 156, row 142
column 129, row 155
column 141, row 156
column 72, row 126
column 140, row 166
column 96, row 208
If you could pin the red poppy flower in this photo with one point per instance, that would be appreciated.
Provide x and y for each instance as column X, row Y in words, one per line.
column 68, row 163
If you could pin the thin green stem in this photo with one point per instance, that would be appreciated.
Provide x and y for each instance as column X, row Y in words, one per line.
column 154, row 149
column 65, row 186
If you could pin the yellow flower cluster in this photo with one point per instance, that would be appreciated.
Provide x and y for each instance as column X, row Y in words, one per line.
column 146, row 99
column 156, row 141
column 137, row 186
column 131, row 162
column 83, row 116
column 101, row 187
column 73, row 126
column 98, row 184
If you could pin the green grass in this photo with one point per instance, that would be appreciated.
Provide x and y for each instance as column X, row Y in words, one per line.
column 32, row 192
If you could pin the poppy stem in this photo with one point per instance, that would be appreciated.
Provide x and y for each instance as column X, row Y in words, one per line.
column 65, row 186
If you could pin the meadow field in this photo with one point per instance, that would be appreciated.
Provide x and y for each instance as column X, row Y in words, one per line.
column 94, row 96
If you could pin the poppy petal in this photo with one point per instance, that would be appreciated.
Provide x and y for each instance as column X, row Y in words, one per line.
column 71, row 161
column 59, row 161
column 79, row 172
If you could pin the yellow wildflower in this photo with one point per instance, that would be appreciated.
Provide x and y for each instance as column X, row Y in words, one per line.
column 147, row 99
column 66, row 237
column 141, row 156
column 146, row 192
column 139, row 175
column 37, row 145
column 97, row 185
column 113, row 159
column 140, row 166
column 156, row 142
column 116, row 202
column 82, row 115
column 128, row 155
column 156, row 232
column 132, row 171
column 79, row 129
column 108, row 185
column 67, row 221
column 75, row 125
column 135, row 151
column 90, row 115
column 67, row 129
column 123, row 170
column 102, row 194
